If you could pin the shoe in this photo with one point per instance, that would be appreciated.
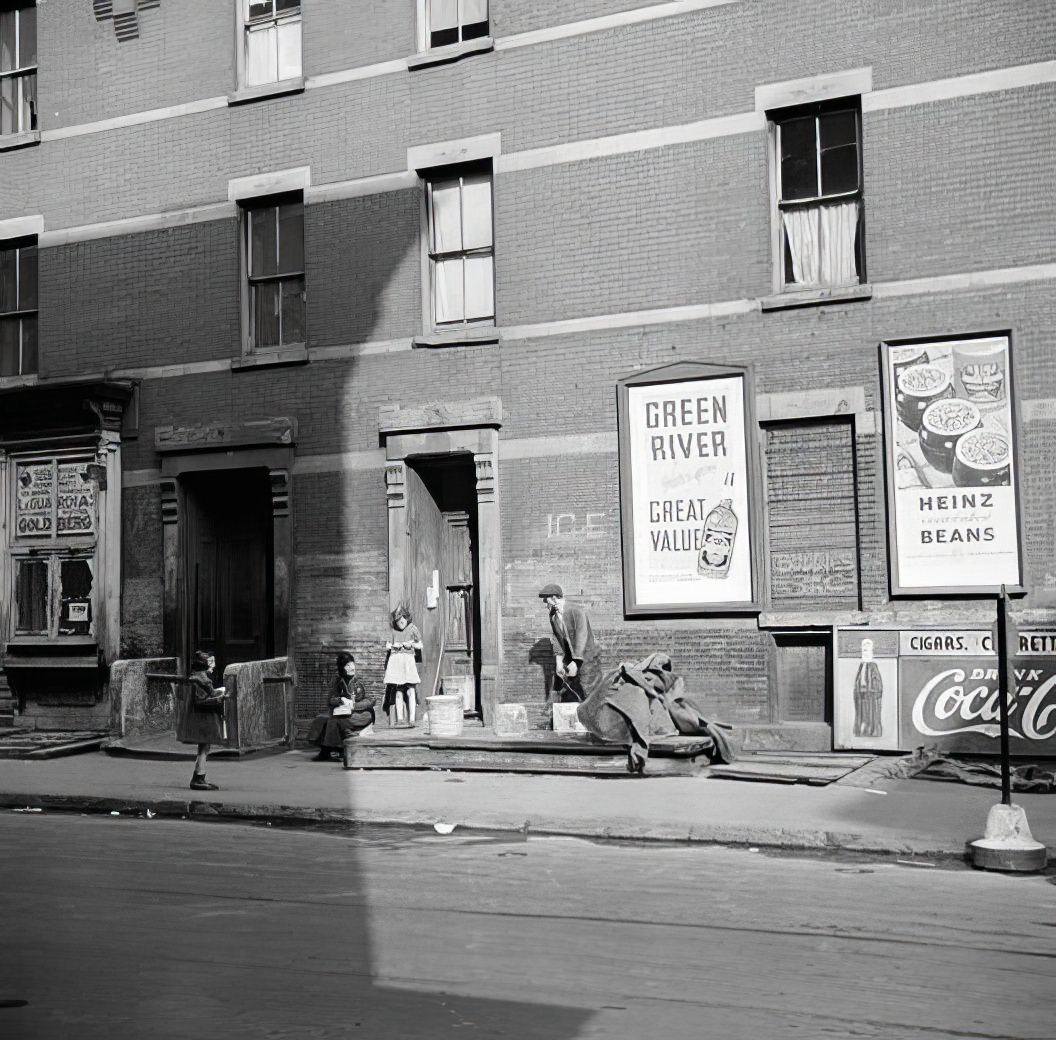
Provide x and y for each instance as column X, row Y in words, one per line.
column 323, row 756
column 199, row 783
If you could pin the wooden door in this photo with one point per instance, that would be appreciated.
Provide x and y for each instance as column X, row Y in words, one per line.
column 425, row 554
column 802, row 673
column 229, row 566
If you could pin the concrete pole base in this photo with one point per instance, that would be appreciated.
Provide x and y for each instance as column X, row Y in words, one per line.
column 1008, row 844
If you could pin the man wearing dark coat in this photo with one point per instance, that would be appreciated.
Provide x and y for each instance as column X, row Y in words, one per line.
column 576, row 654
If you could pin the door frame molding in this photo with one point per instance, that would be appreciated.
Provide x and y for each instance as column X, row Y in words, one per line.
column 452, row 428
column 278, row 461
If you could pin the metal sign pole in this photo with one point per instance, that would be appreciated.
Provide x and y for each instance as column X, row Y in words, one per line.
column 1004, row 689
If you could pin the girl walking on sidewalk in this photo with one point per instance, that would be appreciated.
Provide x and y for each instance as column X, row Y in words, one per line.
column 201, row 716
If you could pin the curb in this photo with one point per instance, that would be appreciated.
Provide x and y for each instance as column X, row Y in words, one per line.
column 792, row 840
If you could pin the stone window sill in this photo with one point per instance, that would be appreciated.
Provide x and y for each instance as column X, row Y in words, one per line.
column 271, row 358
column 442, row 55
column 787, row 619
column 9, row 141
column 13, row 382
column 467, row 337
column 816, row 297
column 245, row 95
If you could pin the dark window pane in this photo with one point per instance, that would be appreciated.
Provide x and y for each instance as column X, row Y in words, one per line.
column 474, row 31
column 291, row 237
column 839, row 169
column 29, row 347
column 9, row 346
column 443, row 37
column 27, row 278
column 75, row 615
column 7, row 41
column 262, row 245
column 293, row 310
column 260, row 8
column 798, row 138
column 838, row 128
column 790, row 271
column 9, row 105
column 265, row 304
column 29, row 101
column 31, row 595
column 27, row 37
column 799, row 178
column 8, row 280
column 288, row 6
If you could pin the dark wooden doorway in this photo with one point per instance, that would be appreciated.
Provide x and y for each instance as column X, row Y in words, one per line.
column 228, row 555
column 802, row 676
column 442, row 540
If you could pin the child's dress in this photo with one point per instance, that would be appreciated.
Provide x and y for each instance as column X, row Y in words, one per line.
column 400, row 669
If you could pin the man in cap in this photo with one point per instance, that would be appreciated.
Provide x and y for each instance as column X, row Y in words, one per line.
column 577, row 656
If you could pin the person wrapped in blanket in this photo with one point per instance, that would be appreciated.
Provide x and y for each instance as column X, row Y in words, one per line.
column 351, row 711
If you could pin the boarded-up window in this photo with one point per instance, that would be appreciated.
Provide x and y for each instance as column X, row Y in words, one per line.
column 813, row 520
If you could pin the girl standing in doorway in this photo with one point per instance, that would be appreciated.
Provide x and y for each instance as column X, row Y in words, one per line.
column 401, row 672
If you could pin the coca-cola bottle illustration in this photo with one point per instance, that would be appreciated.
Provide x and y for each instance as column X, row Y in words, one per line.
column 720, row 531
column 868, row 695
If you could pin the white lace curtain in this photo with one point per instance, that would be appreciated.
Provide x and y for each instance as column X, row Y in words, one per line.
column 821, row 241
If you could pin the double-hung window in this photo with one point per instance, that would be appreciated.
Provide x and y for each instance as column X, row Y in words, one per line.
column 461, row 247
column 272, row 41
column 819, row 195
column 449, row 22
column 18, row 307
column 18, row 68
column 53, row 546
column 274, row 252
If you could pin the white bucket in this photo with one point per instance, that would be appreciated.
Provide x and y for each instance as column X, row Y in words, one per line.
column 445, row 716
column 566, row 720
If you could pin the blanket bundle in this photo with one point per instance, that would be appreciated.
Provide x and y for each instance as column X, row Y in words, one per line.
column 644, row 700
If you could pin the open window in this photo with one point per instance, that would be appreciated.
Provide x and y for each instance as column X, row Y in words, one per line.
column 818, row 203
column 271, row 42
column 18, row 68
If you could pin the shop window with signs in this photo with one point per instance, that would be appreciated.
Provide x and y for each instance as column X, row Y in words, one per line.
column 53, row 548
column 18, row 307
column 460, row 246
column 449, row 22
column 271, row 41
column 18, row 68
column 274, row 265
column 818, row 196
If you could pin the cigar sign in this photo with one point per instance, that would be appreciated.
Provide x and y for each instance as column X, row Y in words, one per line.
column 942, row 688
column 951, row 467
column 688, row 475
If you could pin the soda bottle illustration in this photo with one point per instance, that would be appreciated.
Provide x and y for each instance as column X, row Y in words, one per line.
column 868, row 695
column 720, row 530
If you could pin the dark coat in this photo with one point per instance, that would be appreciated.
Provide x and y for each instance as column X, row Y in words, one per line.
column 574, row 641
column 329, row 730
column 200, row 717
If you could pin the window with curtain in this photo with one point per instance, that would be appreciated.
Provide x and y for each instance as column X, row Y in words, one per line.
column 272, row 30
column 274, row 243
column 461, row 247
column 18, row 68
column 18, row 307
column 819, row 195
column 454, row 21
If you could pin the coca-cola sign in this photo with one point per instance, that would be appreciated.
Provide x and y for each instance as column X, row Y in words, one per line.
column 954, row 704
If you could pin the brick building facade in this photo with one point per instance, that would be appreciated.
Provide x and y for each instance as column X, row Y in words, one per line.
column 634, row 157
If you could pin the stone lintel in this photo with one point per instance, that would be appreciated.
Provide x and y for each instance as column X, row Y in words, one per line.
column 280, row 430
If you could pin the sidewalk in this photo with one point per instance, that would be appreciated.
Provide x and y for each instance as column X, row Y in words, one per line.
column 905, row 817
